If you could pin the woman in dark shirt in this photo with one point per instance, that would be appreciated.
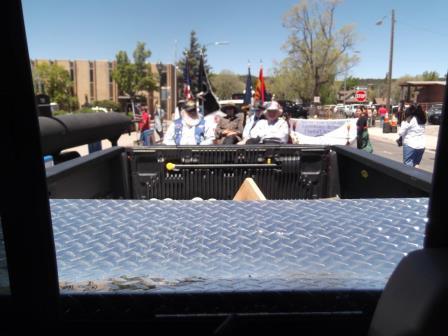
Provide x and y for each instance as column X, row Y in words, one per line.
column 363, row 141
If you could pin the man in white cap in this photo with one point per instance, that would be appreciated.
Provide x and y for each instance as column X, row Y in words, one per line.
column 273, row 129
column 190, row 129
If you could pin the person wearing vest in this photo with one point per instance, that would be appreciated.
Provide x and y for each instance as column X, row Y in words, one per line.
column 230, row 127
column 189, row 129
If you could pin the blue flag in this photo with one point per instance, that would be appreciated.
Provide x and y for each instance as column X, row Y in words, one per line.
column 248, row 94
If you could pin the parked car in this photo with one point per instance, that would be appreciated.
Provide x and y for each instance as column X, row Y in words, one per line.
column 342, row 109
column 100, row 109
column 339, row 108
column 435, row 114
column 350, row 110
column 293, row 109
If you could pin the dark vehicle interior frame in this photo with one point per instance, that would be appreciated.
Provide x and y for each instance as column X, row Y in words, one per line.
column 414, row 301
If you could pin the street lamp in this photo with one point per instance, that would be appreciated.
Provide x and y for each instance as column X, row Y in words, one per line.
column 217, row 43
column 391, row 54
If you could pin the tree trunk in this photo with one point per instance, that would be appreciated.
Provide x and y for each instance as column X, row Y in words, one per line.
column 316, row 90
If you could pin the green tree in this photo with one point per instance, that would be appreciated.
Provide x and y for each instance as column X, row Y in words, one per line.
column 430, row 76
column 317, row 50
column 396, row 88
column 328, row 93
column 289, row 82
column 124, row 74
column 283, row 82
column 226, row 83
column 54, row 80
column 144, row 76
column 192, row 56
column 134, row 77
column 350, row 83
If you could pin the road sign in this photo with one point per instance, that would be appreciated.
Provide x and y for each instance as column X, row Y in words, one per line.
column 361, row 95
column 317, row 99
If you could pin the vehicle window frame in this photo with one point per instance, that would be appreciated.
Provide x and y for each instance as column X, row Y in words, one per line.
column 28, row 234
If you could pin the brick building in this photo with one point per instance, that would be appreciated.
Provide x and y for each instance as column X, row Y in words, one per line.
column 92, row 80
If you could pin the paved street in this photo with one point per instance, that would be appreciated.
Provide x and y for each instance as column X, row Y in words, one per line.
column 393, row 152
column 385, row 145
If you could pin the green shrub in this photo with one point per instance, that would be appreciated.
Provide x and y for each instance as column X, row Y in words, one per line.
column 108, row 104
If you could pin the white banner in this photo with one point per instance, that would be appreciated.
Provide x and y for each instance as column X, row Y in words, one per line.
column 323, row 132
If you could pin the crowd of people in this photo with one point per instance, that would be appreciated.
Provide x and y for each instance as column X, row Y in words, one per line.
column 257, row 124
column 263, row 124
column 412, row 121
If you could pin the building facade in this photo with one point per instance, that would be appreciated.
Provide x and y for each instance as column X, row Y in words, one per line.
column 423, row 92
column 92, row 80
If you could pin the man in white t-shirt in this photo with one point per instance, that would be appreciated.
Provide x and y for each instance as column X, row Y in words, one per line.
column 273, row 129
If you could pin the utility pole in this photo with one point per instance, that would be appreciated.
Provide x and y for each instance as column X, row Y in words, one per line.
column 175, row 75
column 345, row 87
column 391, row 55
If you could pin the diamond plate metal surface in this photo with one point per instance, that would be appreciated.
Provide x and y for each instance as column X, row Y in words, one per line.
column 108, row 245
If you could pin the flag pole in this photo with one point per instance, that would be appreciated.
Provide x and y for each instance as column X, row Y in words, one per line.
column 202, row 100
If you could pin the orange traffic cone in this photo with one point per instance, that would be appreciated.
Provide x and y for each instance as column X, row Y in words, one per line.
column 393, row 121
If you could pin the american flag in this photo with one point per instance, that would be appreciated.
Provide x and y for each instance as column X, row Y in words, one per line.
column 187, row 82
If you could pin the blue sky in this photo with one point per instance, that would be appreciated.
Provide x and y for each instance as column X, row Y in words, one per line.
column 92, row 29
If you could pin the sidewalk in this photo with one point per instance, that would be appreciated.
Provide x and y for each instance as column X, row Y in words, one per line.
column 431, row 135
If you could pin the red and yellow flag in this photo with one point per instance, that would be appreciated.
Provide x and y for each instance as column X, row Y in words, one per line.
column 260, row 91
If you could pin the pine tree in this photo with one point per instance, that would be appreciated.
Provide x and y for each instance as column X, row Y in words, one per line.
column 192, row 55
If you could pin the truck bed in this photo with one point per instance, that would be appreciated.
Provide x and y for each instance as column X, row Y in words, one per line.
column 222, row 246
